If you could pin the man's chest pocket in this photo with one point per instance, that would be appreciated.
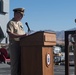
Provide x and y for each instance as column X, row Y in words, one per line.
column 15, row 30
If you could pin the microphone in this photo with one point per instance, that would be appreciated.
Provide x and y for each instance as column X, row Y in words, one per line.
column 27, row 26
column 75, row 20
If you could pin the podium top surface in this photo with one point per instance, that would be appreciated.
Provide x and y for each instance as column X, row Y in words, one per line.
column 39, row 38
column 32, row 33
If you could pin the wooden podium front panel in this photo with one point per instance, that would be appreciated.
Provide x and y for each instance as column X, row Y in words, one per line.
column 47, row 68
column 31, row 60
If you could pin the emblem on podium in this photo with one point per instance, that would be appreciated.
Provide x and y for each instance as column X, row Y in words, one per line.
column 48, row 59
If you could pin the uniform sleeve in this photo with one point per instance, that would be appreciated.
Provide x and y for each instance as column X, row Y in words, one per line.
column 10, row 27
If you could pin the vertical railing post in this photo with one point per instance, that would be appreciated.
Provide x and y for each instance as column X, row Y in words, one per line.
column 67, row 50
column 66, row 54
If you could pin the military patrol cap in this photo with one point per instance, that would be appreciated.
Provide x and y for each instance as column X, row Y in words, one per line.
column 20, row 10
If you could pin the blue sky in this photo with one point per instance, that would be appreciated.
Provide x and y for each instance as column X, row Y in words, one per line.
column 54, row 15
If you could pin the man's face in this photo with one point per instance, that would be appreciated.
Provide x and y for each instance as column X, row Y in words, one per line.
column 18, row 16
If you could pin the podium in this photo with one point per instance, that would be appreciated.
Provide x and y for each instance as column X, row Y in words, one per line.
column 37, row 53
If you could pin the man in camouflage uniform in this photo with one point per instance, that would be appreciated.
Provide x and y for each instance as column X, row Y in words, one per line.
column 15, row 32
